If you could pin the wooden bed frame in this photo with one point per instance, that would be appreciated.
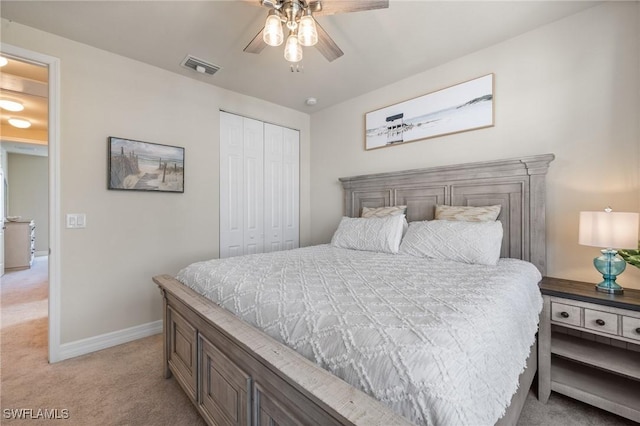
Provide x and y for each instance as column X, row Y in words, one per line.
column 237, row 375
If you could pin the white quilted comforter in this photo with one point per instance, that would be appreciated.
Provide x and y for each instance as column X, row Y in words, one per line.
column 441, row 343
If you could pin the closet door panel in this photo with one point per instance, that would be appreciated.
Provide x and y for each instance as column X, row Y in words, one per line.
column 291, row 188
column 253, row 185
column 231, row 185
column 273, row 200
column 259, row 186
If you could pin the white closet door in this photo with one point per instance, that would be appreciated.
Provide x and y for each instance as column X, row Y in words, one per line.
column 259, row 186
column 254, row 188
column 291, row 189
column 273, row 184
column 281, row 188
column 231, row 185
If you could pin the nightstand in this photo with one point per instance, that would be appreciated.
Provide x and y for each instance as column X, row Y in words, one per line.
column 589, row 346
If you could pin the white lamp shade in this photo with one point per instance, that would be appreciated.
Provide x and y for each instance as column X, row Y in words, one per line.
column 617, row 230
column 292, row 49
column 272, row 34
column 307, row 33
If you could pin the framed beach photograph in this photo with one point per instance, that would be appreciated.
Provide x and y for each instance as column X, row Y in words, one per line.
column 145, row 166
column 460, row 108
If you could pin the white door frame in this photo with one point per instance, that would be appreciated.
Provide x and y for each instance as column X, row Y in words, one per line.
column 54, row 188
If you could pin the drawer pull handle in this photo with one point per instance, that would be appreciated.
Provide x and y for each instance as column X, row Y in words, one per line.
column 638, row 330
column 600, row 322
column 564, row 314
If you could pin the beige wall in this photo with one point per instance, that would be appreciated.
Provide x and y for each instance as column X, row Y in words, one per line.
column 570, row 88
column 106, row 268
column 28, row 177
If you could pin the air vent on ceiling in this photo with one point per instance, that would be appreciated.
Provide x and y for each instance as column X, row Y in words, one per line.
column 199, row 65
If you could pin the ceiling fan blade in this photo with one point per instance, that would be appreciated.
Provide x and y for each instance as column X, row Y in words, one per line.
column 332, row 7
column 257, row 44
column 267, row 3
column 326, row 45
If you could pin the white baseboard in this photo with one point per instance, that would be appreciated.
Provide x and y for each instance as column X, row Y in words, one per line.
column 104, row 341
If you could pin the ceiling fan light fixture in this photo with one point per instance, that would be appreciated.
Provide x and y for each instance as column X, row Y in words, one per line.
column 10, row 105
column 307, row 33
column 20, row 123
column 273, row 34
column 297, row 17
column 293, row 49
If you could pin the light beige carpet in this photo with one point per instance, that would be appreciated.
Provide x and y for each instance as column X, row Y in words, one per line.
column 124, row 385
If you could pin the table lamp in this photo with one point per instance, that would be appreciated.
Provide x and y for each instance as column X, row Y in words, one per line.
column 611, row 230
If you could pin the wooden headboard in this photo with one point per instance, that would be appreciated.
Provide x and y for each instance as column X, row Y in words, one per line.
column 517, row 184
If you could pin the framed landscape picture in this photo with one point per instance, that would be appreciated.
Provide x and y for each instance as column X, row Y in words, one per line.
column 145, row 166
column 465, row 106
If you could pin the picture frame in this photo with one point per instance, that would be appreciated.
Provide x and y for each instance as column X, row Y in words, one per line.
column 459, row 108
column 144, row 166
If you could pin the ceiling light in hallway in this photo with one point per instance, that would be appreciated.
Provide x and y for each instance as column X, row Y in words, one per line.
column 10, row 105
column 20, row 123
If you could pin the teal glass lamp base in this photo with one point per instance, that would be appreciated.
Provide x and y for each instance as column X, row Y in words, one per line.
column 610, row 265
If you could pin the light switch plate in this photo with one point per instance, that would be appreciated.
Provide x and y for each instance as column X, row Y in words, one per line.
column 76, row 220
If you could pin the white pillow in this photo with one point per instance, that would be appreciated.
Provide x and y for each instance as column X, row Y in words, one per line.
column 468, row 242
column 379, row 234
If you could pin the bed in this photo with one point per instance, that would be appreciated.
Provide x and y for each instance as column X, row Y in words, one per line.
column 237, row 374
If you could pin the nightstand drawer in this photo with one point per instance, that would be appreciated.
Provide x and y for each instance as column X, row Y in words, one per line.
column 631, row 327
column 565, row 314
column 604, row 322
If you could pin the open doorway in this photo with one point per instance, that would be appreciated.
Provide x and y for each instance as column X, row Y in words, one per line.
column 44, row 85
column 24, row 197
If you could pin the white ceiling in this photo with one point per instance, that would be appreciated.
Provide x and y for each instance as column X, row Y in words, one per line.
column 380, row 46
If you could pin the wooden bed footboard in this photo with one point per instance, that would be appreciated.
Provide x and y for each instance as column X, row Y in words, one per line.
column 236, row 375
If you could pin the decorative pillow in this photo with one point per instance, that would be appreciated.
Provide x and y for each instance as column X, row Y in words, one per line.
column 379, row 234
column 383, row 211
column 468, row 242
column 468, row 213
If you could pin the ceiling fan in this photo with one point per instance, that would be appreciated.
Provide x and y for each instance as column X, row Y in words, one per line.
column 297, row 17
